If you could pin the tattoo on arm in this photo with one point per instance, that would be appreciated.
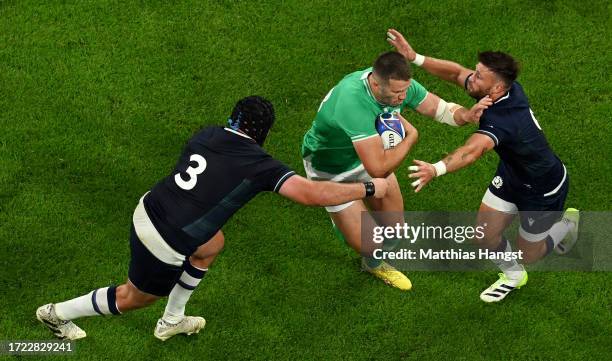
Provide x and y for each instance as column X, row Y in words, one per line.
column 449, row 157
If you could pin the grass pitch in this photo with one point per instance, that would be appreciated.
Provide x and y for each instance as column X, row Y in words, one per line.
column 98, row 97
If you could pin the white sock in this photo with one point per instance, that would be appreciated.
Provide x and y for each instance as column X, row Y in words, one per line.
column 559, row 230
column 180, row 294
column 102, row 301
column 512, row 269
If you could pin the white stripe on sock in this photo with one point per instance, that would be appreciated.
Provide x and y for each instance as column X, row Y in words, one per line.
column 102, row 300
column 190, row 280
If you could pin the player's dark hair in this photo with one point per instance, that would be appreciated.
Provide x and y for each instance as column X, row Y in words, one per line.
column 392, row 65
column 254, row 115
column 501, row 64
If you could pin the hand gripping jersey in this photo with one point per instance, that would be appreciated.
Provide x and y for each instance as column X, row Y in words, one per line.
column 218, row 172
column 527, row 161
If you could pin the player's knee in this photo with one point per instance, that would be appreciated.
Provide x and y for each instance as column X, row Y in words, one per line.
column 141, row 300
column 221, row 241
column 130, row 298
column 215, row 245
column 209, row 249
column 198, row 262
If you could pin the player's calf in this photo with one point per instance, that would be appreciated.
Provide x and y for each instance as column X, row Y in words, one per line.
column 532, row 251
column 130, row 298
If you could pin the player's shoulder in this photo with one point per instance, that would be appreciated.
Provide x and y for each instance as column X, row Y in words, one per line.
column 353, row 82
column 507, row 113
column 357, row 75
column 415, row 84
column 352, row 94
column 515, row 98
column 204, row 135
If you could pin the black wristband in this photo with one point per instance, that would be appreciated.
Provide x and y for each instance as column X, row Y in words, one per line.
column 369, row 188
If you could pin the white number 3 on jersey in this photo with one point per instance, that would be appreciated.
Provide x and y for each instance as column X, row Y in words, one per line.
column 192, row 172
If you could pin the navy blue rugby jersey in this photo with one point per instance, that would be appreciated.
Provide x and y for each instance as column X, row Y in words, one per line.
column 218, row 172
column 525, row 156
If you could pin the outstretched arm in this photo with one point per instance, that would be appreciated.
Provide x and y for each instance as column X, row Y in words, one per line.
column 443, row 69
column 325, row 193
column 474, row 148
column 451, row 113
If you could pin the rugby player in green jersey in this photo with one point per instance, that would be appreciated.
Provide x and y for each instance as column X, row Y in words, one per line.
column 343, row 144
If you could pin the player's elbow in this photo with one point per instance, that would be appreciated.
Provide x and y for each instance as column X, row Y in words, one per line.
column 382, row 173
column 378, row 170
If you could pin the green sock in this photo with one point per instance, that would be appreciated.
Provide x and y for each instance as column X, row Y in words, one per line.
column 338, row 233
column 389, row 244
column 372, row 262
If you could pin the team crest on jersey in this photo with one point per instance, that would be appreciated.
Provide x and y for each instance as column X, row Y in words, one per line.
column 497, row 182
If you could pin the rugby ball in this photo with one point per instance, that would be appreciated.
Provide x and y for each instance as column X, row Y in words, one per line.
column 390, row 128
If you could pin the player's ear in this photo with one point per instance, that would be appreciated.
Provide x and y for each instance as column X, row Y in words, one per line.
column 498, row 87
column 375, row 82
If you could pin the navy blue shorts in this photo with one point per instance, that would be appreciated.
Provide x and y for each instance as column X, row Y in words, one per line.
column 148, row 273
column 537, row 212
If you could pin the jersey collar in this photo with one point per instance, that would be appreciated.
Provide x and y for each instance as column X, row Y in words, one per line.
column 366, row 84
column 503, row 98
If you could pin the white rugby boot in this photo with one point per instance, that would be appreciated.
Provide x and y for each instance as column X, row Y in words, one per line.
column 502, row 287
column 188, row 325
column 63, row 329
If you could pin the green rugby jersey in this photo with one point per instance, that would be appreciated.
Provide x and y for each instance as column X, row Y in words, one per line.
column 347, row 114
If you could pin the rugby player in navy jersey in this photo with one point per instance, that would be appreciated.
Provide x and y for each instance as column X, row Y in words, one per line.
column 530, row 181
column 176, row 229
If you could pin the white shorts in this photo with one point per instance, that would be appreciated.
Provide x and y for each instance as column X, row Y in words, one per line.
column 357, row 174
column 152, row 240
column 499, row 204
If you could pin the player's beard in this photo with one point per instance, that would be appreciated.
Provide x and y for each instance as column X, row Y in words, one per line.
column 477, row 94
column 392, row 101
